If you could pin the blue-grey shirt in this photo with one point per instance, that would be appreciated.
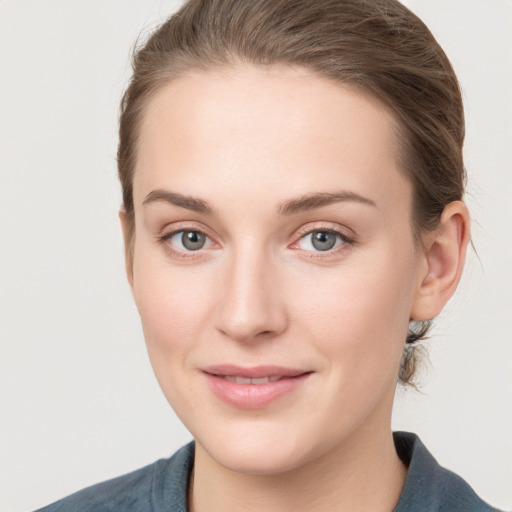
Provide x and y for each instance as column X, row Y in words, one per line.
column 162, row 486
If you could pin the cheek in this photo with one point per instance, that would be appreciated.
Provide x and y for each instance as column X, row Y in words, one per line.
column 174, row 311
column 358, row 313
column 173, row 304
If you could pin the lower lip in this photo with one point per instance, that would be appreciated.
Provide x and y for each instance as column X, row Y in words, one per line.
column 253, row 396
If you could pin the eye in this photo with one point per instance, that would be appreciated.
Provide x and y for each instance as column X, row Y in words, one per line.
column 188, row 240
column 323, row 240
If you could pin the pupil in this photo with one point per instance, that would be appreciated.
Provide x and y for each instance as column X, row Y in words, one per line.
column 323, row 240
column 192, row 240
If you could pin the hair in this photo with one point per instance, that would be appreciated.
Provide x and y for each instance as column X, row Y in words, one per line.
column 378, row 47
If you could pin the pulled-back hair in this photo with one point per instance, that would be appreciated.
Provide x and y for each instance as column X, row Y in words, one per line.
column 375, row 46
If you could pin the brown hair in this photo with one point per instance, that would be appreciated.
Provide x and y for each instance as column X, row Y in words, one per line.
column 376, row 46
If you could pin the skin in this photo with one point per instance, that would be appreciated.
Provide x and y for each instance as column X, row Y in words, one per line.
column 248, row 142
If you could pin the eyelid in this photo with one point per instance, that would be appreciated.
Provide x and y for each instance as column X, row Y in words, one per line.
column 172, row 229
column 344, row 231
column 176, row 227
column 347, row 235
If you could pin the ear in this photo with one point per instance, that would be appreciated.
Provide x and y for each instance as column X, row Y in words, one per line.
column 128, row 235
column 444, row 255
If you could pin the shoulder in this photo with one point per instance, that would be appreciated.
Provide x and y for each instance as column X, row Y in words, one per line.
column 430, row 487
column 149, row 489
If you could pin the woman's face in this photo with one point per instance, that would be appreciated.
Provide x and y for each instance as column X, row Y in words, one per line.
column 274, row 263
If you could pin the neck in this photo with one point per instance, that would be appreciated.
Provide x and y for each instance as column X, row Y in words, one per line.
column 363, row 474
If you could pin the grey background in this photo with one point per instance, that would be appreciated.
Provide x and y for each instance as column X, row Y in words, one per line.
column 79, row 402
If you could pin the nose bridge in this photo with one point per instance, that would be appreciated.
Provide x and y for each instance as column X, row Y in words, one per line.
column 250, row 307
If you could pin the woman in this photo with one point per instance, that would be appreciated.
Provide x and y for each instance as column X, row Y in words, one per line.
column 293, row 219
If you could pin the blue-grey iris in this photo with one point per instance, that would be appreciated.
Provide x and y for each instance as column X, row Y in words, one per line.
column 323, row 240
column 193, row 240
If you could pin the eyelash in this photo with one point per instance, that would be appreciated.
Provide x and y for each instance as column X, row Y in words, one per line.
column 342, row 240
column 166, row 237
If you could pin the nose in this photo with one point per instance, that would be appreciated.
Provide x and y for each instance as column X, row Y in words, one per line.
column 250, row 307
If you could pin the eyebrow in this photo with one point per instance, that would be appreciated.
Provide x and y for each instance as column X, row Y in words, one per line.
column 290, row 207
column 320, row 199
column 187, row 202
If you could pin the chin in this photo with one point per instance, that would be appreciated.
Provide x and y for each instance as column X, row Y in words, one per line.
column 255, row 461
column 258, row 450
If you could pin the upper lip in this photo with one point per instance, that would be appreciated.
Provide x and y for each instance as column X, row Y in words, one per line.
column 253, row 372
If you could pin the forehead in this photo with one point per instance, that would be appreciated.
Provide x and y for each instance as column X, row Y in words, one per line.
column 277, row 129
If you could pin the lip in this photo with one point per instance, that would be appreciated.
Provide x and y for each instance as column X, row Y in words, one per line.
column 253, row 395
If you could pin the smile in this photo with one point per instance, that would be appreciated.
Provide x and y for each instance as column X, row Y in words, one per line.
column 246, row 380
column 253, row 388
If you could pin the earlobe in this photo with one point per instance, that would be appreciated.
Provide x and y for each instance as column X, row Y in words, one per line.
column 444, row 255
column 128, row 234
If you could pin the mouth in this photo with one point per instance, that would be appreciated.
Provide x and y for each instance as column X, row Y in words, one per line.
column 253, row 387
column 254, row 372
column 246, row 380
